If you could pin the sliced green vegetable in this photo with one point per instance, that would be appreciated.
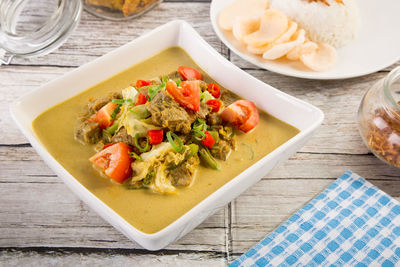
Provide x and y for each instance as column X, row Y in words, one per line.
column 112, row 129
column 146, row 147
column 164, row 79
column 149, row 176
column 205, row 96
column 122, row 101
column 178, row 82
column 192, row 150
column 135, row 156
column 199, row 128
column 116, row 110
column 208, row 158
column 153, row 90
column 140, row 111
column 175, row 141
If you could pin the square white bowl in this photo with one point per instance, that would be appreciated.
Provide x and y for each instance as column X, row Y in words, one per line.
column 175, row 33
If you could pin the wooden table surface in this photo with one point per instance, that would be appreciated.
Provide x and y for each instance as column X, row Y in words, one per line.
column 43, row 223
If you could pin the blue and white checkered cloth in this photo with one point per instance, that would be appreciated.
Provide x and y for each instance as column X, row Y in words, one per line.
column 351, row 223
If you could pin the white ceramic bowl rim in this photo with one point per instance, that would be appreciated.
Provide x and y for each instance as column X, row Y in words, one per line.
column 197, row 49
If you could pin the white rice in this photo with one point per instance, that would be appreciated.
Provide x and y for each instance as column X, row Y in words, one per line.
column 336, row 24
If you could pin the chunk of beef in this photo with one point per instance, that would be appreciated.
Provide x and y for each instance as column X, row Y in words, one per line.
column 204, row 110
column 227, row 97
column 173, row 76
column 214, row 119
column 95, row 104
column 185, row 173
column 221, row 150
column 88, row 132
column 123, row 136
column 165, row 112
column 203, row 86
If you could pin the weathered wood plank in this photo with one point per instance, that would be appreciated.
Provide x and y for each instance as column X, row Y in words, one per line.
column 43, row 212
column 266, row 205
column 95, row 37
column 36, row 209
column 29, row 167
column 107, row 258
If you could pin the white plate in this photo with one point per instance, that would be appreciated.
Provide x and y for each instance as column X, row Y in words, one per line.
column 176, row 33
column 376, row 47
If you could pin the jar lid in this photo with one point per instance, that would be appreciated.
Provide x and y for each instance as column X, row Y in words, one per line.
column 29, row 28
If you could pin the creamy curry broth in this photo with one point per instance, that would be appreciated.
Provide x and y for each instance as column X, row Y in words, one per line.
column 144, row 210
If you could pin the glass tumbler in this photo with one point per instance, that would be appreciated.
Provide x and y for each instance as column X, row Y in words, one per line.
column 35, row 27
column 379, row 118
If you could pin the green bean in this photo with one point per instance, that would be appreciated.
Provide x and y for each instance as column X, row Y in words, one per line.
column 112, row 129
column 208, row 158
column 193, row 150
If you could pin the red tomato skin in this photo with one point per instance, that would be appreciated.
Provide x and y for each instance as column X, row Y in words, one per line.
column 103, row 115
column 214, row 104
column 142, row 99
column 155, row 136
column 188, row 95
column 188, row 73
column 208, row 141
column 214, row 90
column 114, row 161
column 243, row 114
column 142, row 83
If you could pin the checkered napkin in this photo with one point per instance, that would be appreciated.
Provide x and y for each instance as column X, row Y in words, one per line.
column 351, row 223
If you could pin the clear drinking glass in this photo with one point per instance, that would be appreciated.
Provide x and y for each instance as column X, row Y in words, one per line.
column 35, row 27
column 119, row 9
column 379, row 118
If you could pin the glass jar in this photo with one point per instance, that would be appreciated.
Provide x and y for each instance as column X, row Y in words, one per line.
column 32, row 27
column 119, row 9
column 379, row 118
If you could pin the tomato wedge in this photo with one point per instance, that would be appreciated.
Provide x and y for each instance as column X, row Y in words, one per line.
column 141, row 83
column 214, row 90
column 243, row 114
column 214, row 104
column 188, row 73
column 155, row 136
column 142, row 99
column 104, row 115
column 208, row 141
column 114, row 161
column 187, row 95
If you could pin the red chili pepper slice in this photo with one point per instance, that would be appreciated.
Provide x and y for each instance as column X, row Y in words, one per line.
column 155, row 136
column 208, row 141
column 142, row 83
column 214, row 104
column 214, row 90
column 142, row 99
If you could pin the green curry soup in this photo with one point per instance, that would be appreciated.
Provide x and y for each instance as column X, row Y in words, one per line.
column 147, row 211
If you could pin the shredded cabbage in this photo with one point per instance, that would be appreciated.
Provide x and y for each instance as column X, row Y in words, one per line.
column 155, row 169
column 129, row 93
